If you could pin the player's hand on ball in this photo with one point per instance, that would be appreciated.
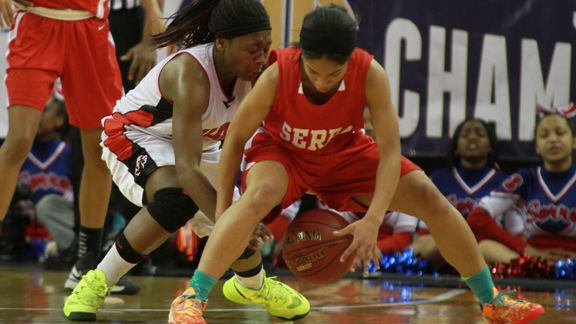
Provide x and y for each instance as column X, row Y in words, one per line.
column 262, row 232
column 365, row 234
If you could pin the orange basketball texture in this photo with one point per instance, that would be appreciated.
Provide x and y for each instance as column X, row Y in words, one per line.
column 311, row 250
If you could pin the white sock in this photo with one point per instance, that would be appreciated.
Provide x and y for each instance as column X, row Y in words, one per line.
column 114, row 266
column 254, row 282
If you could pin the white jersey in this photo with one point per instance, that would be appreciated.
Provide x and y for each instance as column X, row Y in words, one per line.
column 145, row 109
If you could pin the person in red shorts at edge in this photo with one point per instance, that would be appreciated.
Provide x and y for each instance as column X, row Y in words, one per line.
column 301, row 125
column 70, row 40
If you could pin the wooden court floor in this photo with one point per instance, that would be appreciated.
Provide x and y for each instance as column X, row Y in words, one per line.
column 32, row 295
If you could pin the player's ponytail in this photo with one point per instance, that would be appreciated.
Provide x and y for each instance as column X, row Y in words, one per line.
column 205, row 20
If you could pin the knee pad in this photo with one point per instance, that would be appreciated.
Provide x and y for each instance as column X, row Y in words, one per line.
column 247, row 254
column 172, row 208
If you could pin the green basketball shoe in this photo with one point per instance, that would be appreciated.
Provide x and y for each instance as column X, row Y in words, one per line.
column 87, row 297
column 279, row 299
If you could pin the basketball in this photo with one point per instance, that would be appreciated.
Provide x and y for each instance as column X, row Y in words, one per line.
column 312, row 252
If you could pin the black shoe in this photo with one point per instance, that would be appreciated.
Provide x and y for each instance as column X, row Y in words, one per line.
column 126, row 287
column 63, row 261
column 143, row 268
column 89, row 262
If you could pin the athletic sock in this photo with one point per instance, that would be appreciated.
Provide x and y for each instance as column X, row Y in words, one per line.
column 202, row 284
column 90, row 240
column 114, row 266
column 482, row 285
column 119, row 260
column 252, row 279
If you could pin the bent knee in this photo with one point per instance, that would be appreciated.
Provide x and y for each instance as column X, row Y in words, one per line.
column 264, row 196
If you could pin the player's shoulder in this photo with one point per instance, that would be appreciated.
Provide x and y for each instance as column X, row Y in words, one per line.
column 270, row 76
column 185, row 64
column 182, row 73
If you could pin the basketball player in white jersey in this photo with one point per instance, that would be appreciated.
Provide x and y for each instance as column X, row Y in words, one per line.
column 162, row 145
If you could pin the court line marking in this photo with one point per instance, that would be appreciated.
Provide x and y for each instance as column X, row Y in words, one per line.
column 442, row 297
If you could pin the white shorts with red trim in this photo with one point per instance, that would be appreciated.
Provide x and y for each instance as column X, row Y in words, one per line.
column 148, row 153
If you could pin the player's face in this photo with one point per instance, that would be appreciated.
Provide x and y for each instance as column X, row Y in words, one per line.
column 247, row 54
column 324, row 73
column 473, row 142
column 554, row 140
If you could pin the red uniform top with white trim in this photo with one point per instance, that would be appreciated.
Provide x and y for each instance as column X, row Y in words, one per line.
column 304, row 127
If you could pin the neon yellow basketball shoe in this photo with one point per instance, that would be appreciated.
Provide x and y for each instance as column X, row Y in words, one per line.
column 87, row 297
column 279, row 299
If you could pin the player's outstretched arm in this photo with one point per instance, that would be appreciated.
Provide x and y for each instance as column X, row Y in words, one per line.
column 385, row 121
column 252, row 111
column 185, row 83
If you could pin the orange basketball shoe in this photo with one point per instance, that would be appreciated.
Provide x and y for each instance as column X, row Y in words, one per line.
column 502, row 310
column 187, row 309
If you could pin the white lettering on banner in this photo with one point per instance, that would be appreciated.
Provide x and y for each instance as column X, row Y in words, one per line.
column 316, row 140
column 440, row 81
column 399, row 30
column 493, row 90
column 493, row 83
column 555, row 92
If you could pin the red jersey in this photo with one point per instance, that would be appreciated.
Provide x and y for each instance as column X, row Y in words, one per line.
column 305, row 127
column 100, row 8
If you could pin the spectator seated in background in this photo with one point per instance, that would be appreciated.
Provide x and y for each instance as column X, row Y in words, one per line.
column 546, row 194
column 48, row 171
column 471, row 173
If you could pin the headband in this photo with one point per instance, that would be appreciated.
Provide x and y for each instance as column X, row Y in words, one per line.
column 244, row 29
column 328, row 41
column 567, row 112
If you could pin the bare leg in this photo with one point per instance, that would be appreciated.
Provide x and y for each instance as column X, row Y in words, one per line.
column 427, row 248
column 146, row 235
column 23, row 126
column 266, row 186
column 497, row 252
column 450, row 230
column 96, row 182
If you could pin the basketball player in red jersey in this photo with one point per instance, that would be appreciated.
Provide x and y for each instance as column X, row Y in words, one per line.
column 70, row 40
column 309, row 105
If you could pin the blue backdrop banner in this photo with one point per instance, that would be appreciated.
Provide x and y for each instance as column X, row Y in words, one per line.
column 448, row 60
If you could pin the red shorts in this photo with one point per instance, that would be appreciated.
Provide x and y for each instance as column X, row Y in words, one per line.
column 81, row 53
column 334, row 177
